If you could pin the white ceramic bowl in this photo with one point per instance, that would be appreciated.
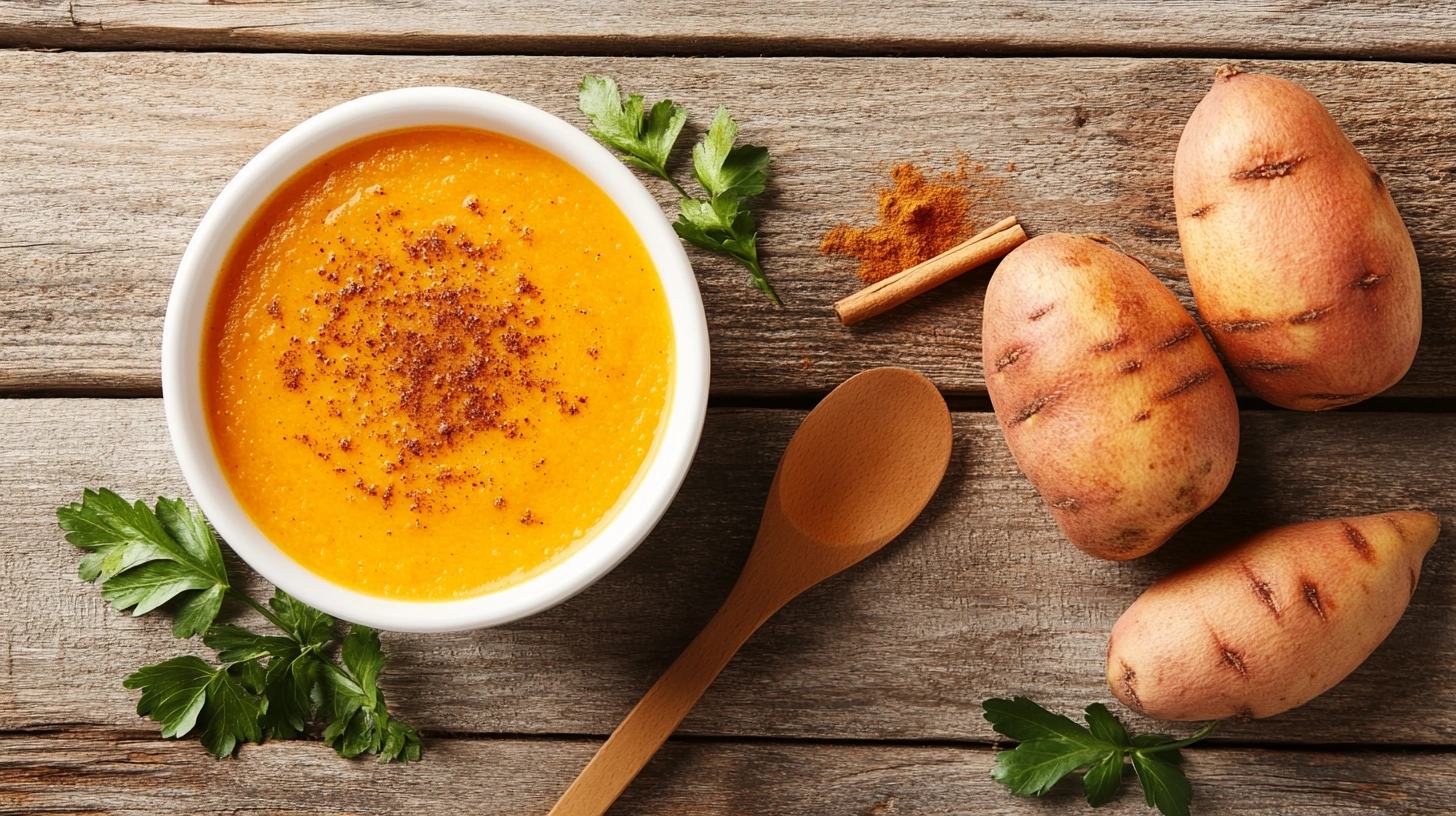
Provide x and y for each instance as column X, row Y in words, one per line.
column 635, row 514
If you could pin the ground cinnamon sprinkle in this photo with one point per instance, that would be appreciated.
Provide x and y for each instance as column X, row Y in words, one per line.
column 418, row 357
column 919, row 217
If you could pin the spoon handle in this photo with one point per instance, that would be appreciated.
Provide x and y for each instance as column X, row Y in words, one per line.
column 664, row 706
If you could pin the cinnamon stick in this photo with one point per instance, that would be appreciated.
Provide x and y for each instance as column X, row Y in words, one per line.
column 988, row 245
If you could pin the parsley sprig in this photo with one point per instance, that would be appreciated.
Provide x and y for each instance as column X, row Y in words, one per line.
column 1052, row 746
column 262, row 686
column 728, row 172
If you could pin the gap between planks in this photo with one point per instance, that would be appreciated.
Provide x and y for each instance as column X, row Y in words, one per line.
column 145, row 731
column 87, row 773
column 1141, row 28
column 958, row 403
column 710, row 48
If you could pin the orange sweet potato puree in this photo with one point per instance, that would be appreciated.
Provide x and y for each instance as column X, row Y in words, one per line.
column 435, row 361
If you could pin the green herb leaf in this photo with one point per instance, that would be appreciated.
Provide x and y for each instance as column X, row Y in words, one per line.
column 178, row 692
column 233, row 709
column 1036, row 765
column 647, row 142
column 1106, row 727
column 1053, row 746
column 235, row 644
column 710, row 216
column 118, row 535
column 1103, row 780
column 1172, row 755
column 294, row 662
column 1164, row 784
column 729, row 173
column 150, row 585
column 305, row 624
column 266, row 685
column 723, row 168
column 194, row 536
column 145, row 559
column 293, row 676
column 1023, row 721
column 198, row 611
column 173, row 693
column 360, row 722
column 700, row 224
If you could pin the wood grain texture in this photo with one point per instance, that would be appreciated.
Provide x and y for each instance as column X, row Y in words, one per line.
column 111, row 160
column 135, row 776
column 980, row 597
column 1404, row 29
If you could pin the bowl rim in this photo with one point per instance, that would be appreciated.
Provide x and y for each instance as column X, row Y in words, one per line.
column 658, row 479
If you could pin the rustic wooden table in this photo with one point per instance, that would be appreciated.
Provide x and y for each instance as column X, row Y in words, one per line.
column 120, row 120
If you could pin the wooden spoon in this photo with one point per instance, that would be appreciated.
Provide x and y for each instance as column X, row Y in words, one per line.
column 858, row 471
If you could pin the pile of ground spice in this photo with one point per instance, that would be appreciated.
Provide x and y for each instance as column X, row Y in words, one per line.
column 919, row 217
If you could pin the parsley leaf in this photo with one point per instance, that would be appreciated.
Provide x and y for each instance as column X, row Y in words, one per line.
column 729, row 173
column 305, row 624
column 116, row 535
column 173, row 693
column 1106, row 727
column 233, row 709
column 1164, row 784
column 355, row 704
column 295, row 671
column 235, row 644
column 265, row 686
column 721, row 226
column 723, row 168
column 1053, row 746
column 145, row 559
column 1023, row 721
column 150, row 585
column 292, row 673
column 178, row 692
column 647, row 142
column 1153, row 741
column 1036, row 765
column 1102, row 781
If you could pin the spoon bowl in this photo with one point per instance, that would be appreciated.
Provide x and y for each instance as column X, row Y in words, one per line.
column 866, row 460
column 859, row 470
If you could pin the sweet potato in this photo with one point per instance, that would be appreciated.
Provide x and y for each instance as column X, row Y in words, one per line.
column 1302, row 269
column 1111, row 399
column 1270, row 624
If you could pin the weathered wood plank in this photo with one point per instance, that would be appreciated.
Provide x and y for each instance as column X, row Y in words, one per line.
column 111, row 160
column 1399, row 30
column 980, row 598
column 97, row 773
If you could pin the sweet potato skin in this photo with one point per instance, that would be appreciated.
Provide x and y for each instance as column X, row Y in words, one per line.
column 1300, row 264
column 1112, row 401
column 1270, row 624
